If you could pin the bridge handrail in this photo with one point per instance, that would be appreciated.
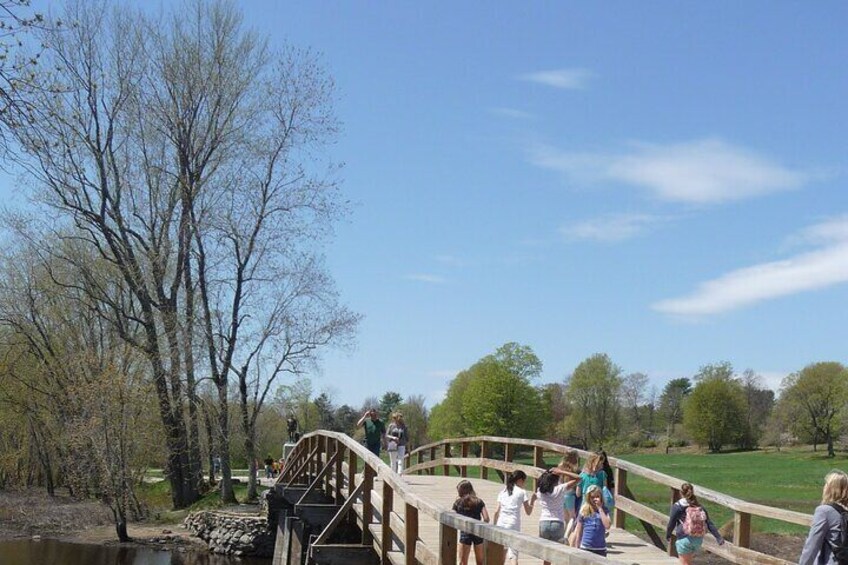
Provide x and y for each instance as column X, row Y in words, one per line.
column 743, row 510
column 501, row 537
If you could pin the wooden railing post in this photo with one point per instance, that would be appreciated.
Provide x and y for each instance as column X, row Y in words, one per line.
column 447, row 545
column 741, row 529
column 484, row 449
column 410, row 534
column 367, row 508
column 619, row 517
column 339, row 474
column 352, row 462
column 386, row 530
column 432, row 470
column 509, row 456
column 446, row 454
column 672, row 549
column 421, row 460
column 493, row 553
column 538, row 461
column 463, row 471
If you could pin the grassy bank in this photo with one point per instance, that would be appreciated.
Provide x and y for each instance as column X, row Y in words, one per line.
column 157, row 496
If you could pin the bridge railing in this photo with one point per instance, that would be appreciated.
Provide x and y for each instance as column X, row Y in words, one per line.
column 345, row 471
column 477, row 452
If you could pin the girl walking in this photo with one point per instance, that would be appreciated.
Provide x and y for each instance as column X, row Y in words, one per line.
column 510, row 502
column 689, row 522
column 593, row 522
column 570, row 465
column 467, row 504
column 827, row 522
column 550, row 494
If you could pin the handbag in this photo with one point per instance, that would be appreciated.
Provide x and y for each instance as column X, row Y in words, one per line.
column 391, row 445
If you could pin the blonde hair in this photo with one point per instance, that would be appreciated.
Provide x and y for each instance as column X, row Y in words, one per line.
column 569, row 462
column 594, row 463
column 586, row 509
column 398, row 416
column 835, row 488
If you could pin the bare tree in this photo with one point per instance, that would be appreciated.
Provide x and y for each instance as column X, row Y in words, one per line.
column 633, row 391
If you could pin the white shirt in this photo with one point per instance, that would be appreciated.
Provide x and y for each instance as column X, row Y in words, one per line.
column 511, row 505
column 552, row 504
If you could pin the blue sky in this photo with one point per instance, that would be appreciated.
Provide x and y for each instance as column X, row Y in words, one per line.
column 662, row 181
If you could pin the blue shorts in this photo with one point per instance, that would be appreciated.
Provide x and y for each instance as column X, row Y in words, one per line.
column 688, row 545
column 569, row 501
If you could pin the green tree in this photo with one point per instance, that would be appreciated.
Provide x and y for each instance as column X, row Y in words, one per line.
column 818, row 395
column 714, row 412
column 759, row 404
column 593, row 390
column 498, row 402
column 671, row 404
column 520, row 360
column 447, row 419
column 388, row 402
column 415, row 415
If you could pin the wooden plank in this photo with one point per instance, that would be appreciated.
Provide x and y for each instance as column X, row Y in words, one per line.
column 463, row 469
column 484, row 453
column 493, row 553
column 386, row 517
column 367, row 508
column 340, row 515
column 446, row 453
column 742, row 529
column 318, row 479
column 619, row 517
column 410, row 538
column 447, row 545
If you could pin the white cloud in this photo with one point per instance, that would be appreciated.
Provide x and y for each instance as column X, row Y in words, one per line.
column 567, row 79
column 772, row 379
column 702, row 171
column 610, row 228
column 512, row 113
column 450, row 260
column 812, row 270
column 426, row 278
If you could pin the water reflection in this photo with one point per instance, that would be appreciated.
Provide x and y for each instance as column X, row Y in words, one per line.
column 54, row 552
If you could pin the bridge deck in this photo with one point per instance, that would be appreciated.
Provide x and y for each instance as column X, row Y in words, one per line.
column 622, row 546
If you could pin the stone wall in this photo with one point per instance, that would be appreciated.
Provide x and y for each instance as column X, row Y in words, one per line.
column 232, row 534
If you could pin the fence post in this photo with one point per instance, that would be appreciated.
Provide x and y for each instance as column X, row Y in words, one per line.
column 432, row 470
column 352, row 462
column 420, row 460
column 672, row 549
column 339, row 474
column 386, row 530
column 410, row 537
column 447, row 545
column 509, row 456
column 619, row 516
column 493, row 553
column 484, row 448
column 463, row 471
column 446, row 454
column 741, row 529
column 367, row 508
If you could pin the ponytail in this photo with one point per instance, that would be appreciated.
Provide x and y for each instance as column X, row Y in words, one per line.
column 512, row 478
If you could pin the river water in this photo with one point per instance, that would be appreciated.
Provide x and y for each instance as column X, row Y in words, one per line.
column 55, row 552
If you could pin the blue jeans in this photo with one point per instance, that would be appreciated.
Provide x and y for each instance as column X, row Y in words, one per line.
column 553, row 530
column 375, row 448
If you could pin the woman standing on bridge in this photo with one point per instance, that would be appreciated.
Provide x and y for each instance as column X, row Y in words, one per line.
column 397, row 437
column 827, row 524
column 689, row 523
column 510, row 502
column 593, row 522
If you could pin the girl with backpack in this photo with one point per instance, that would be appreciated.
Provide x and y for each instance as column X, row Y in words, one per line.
column 689, row 522
column 510, row 502
column 593, row 522
column 467, row 504
column 827, row 542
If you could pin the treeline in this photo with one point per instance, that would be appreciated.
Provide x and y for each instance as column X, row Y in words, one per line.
column 169, row 271
column 598, row 405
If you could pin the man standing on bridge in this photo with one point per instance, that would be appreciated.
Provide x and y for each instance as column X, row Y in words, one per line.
column 375, row 430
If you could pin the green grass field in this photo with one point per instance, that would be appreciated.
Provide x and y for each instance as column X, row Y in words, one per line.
column 790, row 479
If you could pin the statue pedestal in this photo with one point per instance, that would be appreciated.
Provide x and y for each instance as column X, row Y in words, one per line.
column 287, row 449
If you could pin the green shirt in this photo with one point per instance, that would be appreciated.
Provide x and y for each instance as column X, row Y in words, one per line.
column 374, row 430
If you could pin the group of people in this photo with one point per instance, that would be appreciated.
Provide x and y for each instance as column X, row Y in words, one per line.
column 575, row 506
column 395, row 438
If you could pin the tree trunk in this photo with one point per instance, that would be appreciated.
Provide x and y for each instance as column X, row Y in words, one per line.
column 210, row 440
column 121, row 530
column 829, row 439
column 250, row 450
column 227, row 494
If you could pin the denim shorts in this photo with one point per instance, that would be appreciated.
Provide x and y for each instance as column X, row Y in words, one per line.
column 469, row 539
column 688, row 544
column 553, row 530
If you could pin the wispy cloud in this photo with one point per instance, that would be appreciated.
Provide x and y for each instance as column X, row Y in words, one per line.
column 825, row 266
column 610, row 228
column 426, row 278
column 511, row 113
column 703, row 171
column 566, row 79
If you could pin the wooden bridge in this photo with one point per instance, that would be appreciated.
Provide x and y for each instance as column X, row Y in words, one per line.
column 344, row 506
